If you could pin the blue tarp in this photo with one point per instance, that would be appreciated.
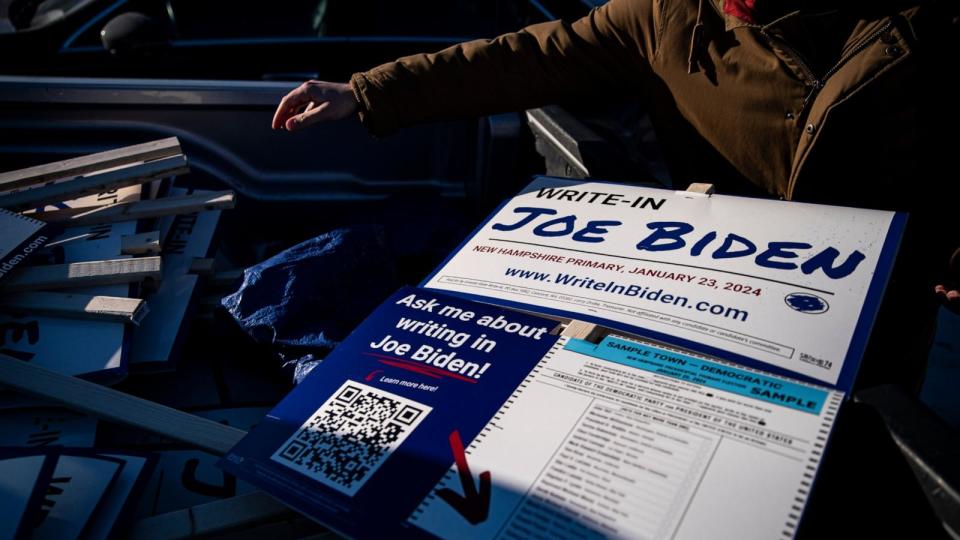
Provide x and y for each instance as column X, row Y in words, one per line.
column 308, row 298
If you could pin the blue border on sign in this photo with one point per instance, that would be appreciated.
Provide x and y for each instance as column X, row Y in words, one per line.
column 851, row 362
column 871, row 306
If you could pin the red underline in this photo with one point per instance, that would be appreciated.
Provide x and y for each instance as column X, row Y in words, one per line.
column 429, row 371
column 410, row 368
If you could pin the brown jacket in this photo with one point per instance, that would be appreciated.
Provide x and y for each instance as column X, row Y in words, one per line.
column 828, row 107
column 840, row 107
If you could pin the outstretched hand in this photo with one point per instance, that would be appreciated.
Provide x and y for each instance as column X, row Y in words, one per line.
column 312, row 102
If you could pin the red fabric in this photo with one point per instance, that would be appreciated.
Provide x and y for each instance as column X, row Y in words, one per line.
column 745, row 10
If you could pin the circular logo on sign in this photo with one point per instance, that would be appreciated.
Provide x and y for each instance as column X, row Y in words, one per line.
column 806, row 303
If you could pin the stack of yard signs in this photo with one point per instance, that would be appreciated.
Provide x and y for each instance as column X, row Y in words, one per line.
column 64, row 493
column 109, row 291
column 108, row 267
column 186, row 241
column 221, row 506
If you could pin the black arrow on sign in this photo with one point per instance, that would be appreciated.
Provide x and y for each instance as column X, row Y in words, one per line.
column 473, row 506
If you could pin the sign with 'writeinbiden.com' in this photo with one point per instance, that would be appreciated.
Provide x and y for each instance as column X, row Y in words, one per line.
column 780, row 285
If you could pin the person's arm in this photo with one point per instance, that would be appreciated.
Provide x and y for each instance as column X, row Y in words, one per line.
column 603, row 54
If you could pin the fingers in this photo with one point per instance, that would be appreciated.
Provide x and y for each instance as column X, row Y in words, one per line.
column 949, row 297
column 952, row 295
column 311, row 115
column 290, row 104
column 312, row 102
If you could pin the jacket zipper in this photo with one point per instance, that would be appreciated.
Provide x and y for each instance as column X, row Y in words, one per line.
column 817, row 83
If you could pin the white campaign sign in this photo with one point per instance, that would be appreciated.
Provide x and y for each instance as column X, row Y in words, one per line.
column 783, row 283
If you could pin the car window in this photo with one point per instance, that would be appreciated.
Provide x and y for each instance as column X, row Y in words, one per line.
column 25, row 14
column 203, row 20
column 215, row 19
column 212, row 19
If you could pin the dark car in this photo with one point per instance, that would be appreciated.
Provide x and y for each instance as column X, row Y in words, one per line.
column 289, row 40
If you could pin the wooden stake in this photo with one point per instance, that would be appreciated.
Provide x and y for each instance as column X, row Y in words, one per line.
column 96, row 183
column 705, row 189
column 187, row 204
column 75, row 306
column 82, row 165
column 109, row 404
column 584, row 330
column 82, row 274
column 140, row 244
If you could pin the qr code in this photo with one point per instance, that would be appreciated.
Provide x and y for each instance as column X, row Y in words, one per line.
column 350, row 436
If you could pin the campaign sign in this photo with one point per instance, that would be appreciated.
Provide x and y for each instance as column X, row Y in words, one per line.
column 367, row 435
column 783, row 286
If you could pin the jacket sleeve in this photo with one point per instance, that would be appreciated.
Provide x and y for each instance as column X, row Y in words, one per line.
column 604, row 53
